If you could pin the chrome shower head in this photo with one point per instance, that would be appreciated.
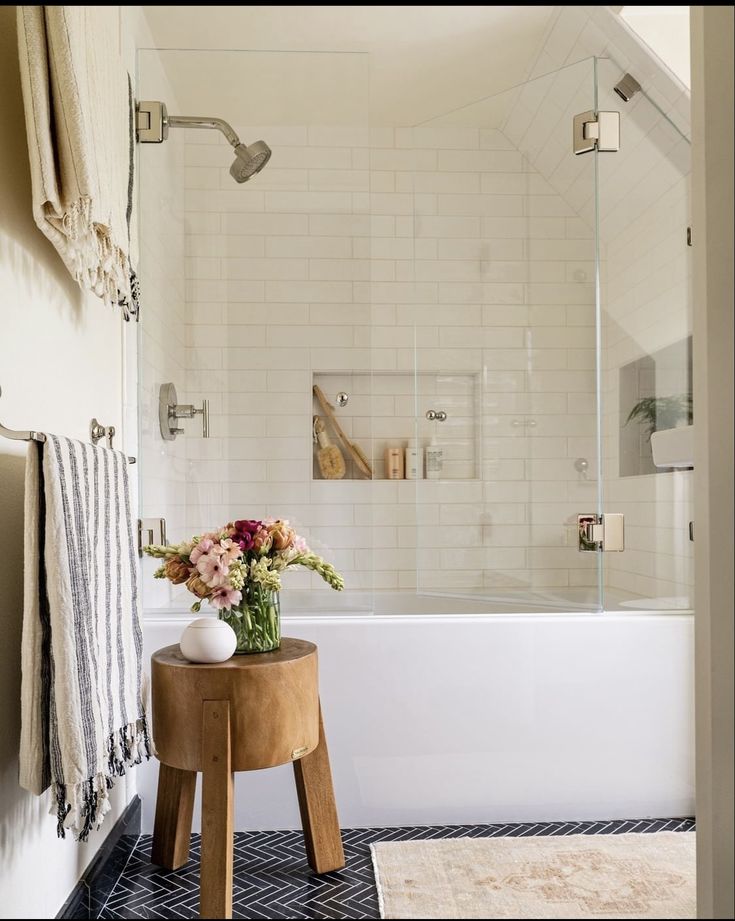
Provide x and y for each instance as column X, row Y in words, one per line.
column 250, row 160
column 153, row 122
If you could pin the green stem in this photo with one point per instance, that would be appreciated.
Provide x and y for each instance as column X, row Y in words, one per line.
column 256, row 621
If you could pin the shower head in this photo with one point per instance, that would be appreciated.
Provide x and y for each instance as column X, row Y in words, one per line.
column 627, row 87
column 153, row 122
column 249, row 160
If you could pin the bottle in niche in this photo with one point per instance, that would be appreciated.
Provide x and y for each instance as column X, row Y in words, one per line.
column 414, row 465
column 434, row 460
column 393, row 463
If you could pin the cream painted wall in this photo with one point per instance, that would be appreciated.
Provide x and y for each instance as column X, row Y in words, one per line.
column 712, row 184
column 425, row 60
column 665, row 29
column 61, row 363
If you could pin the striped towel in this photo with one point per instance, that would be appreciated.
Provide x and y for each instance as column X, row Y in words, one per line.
column 80, row 126
column 82, row 699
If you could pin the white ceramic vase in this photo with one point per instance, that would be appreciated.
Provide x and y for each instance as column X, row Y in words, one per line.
column 208, row 639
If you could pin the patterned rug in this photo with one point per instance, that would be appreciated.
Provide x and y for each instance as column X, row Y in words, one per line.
column 608, row 876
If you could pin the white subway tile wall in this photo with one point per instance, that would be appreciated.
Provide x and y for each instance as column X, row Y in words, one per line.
column 354, row 265
column 163, row 332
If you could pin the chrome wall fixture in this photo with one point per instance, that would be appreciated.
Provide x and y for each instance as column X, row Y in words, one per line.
column 436, row 415
column 601, row 532
column 153, row 122
column 596, row 131
column 170, row 411
column 151, row 531
column 97, row 432
column 582, row 465
column 627, row 87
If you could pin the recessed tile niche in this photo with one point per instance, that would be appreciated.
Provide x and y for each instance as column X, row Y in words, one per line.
column 387, row 409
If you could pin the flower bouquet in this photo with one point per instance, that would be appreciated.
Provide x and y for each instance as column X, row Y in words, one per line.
column 238, row 571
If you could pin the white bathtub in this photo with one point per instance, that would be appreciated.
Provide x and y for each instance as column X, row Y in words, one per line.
column 476, row 717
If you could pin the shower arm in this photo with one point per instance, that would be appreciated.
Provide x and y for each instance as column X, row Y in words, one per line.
column 153, row 122
column 196, row 121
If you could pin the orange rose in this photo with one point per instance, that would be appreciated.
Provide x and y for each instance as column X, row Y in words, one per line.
column 262, row 542
column 197, row 587
column 283, row 536
column 176, row 571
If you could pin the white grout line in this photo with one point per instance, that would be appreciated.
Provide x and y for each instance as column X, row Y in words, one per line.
column 119, row 876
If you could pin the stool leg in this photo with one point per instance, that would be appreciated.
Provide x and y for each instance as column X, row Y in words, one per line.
column 174, row 808
column 318, row 809
column 217, row 811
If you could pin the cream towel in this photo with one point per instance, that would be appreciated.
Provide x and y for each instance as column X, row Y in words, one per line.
column 80, row 127
column 82, row 698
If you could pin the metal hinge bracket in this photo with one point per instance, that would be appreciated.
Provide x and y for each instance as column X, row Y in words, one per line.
column 596, row 131
column 601, row 533
column 151, row 531
column 151, row 122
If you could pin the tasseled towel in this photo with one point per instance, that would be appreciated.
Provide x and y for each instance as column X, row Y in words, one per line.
column 80, row 126
column 82, row 699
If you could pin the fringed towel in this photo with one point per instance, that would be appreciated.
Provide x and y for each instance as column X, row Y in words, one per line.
column 82, row 700
column 80, row 126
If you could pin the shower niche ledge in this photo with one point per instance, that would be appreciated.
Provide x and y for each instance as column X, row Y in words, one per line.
column 387, row 409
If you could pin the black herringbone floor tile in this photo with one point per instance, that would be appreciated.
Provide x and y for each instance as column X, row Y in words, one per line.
column 273, row 880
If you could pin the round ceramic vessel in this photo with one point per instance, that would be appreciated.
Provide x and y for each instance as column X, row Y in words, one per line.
column 208, row 640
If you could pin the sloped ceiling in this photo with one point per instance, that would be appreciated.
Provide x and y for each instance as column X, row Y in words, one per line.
column 424, row 61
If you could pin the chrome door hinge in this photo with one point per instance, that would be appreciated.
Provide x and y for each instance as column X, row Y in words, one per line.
column 596, row 131
column 151, row 122
column 151, row 531
column 601, row 532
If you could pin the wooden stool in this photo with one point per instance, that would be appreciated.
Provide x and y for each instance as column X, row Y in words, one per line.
column 249, row 713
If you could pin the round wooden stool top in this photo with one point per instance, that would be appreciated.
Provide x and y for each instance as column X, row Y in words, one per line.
column 274, row 705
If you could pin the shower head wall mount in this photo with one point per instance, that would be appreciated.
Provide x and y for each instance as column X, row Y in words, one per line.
column 627, row 87
column 153, row 123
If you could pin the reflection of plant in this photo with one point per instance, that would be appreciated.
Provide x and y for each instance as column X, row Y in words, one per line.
column 659, row 413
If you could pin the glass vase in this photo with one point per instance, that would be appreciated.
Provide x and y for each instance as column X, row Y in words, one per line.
column 256, row 621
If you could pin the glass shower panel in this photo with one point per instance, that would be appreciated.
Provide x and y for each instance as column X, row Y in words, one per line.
column 505, row 345
column 255, row 292
column 646, row 351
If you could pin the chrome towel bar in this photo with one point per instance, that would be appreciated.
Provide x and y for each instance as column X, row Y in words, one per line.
column 29, row 435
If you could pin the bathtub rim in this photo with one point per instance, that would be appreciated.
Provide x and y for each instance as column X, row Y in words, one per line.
column 168, row 616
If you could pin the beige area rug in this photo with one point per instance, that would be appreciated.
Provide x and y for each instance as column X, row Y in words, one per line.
column 574, row 876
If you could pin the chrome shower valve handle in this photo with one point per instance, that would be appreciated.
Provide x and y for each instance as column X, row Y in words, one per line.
column 187, row 411
column 170, row 411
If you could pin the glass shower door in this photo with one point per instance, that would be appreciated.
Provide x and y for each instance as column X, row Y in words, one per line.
column 646, row 356
column 507, row 349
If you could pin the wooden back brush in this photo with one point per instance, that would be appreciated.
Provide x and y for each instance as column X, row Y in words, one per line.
column 329, row 457
column 354, row 452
